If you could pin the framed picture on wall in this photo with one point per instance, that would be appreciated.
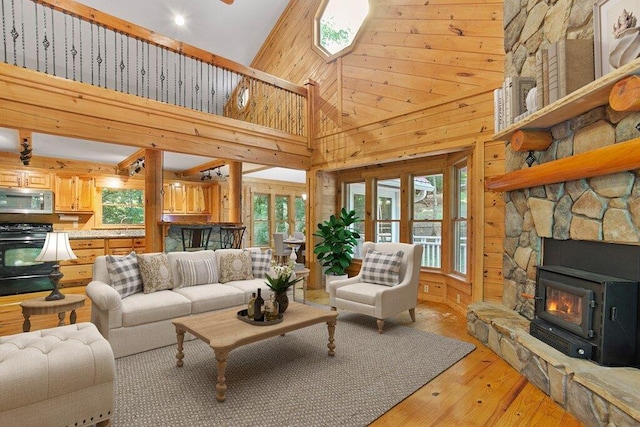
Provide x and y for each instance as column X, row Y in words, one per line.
column 616, row 34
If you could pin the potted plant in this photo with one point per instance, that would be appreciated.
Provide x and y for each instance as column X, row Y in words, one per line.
column 335, row 251
column 281, row 282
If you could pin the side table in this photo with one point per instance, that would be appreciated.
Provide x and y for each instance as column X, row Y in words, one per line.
column 41, row 306
column 304, row 273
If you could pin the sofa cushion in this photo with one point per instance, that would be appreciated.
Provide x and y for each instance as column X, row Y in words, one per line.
column 197, row 272
column 144, row 308
column 211, row 297
column 155, row 272
column 124, row 274
column 235, row 266
column 382, row 268
column 260, row 263
column 250, row 286
column 364, row 293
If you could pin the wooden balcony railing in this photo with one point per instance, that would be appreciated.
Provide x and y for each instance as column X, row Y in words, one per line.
column 73, row 41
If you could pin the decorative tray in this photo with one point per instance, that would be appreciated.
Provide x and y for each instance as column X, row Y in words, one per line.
column 242, row 315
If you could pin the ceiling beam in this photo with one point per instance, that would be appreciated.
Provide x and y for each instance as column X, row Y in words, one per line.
column 205, row 166
column 123, row 166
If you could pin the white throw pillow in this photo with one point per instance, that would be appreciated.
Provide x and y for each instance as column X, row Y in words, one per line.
column 381, row 268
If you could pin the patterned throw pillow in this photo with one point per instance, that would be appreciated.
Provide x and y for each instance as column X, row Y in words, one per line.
column 235, row 267
column 124, row 274
column 197, row 271
column 155, row 272
column 382, row 269
column 260, row 263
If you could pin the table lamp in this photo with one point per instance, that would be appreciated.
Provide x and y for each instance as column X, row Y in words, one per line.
column 56, row 248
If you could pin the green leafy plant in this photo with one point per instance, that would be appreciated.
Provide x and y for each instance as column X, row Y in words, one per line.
column 335, row 251
column 283, row 280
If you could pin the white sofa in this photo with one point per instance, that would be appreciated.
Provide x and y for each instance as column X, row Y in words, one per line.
column 142, row 322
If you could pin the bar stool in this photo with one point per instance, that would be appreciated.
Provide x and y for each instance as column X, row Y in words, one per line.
column 195, row 239
column 231, row 236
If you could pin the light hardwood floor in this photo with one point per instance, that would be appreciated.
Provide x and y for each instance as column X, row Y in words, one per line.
column 479, row 390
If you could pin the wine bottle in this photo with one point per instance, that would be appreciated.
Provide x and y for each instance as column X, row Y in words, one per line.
column 251, row 306
column 258, row 310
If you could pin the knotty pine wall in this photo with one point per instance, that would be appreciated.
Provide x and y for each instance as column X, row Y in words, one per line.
column 418, row 82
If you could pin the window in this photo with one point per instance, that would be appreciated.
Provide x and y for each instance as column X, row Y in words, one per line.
column 356, row 201
column 337, row 24
column 282, row 214
column 387, row 222
column 427, row 217
column 460, row 223
column 122, row 206
column 300, row 214
column 261, row 220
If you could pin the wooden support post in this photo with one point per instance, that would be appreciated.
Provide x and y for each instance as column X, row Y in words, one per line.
column 153, row 165
column 235, row 192
column 625, row 94
column 531, row 140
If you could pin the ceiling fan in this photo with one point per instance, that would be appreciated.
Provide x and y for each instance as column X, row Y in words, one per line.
column 227, row 1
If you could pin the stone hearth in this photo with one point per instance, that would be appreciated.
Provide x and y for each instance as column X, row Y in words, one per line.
column 594, row 394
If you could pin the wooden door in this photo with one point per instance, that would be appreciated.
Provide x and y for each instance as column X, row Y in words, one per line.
column 40, row 180
column 10, row 179
column 65, row 193
column 84, row 194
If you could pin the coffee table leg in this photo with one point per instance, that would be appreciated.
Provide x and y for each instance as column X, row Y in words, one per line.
column 180, row 354
column 72, row 317
column 331, row 326
column 61, row 318
column 221, row 387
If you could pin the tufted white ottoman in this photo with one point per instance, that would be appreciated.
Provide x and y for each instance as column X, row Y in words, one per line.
column 61, row 376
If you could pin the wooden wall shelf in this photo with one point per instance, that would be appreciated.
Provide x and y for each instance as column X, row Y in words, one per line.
column 578, row 102
column 620, row 157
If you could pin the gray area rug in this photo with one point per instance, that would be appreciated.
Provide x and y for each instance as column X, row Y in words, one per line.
column 285, row 381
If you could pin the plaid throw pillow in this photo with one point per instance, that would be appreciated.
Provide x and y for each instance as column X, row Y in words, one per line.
column 124, row 274
column 197, row 271
column 260, row 263
column 382, row 269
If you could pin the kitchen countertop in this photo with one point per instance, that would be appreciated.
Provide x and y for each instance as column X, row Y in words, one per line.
column 105, row 234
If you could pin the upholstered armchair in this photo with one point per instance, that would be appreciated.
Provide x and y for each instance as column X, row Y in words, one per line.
column 373, row 292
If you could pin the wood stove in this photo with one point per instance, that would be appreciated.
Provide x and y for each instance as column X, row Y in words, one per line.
column 586, row 315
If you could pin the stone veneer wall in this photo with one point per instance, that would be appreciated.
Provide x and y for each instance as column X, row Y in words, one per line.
column 604, row 208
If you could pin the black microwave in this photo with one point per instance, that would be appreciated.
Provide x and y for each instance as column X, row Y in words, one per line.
column 26, row 201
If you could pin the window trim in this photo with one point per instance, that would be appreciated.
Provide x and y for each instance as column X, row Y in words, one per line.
column 455, row 219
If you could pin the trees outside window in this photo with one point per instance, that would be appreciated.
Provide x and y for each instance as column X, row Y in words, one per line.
column 282, row 214
column 460, row 221
column 387, row 221
column 261, row 235
column 300, row 216
column 122, row 206
column 355, row 200
column 336, row 26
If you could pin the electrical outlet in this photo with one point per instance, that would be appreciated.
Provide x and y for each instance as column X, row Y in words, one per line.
column 425, row 288
column 458, row 298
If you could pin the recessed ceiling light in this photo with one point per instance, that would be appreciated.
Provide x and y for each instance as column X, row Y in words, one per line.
column 179, row 20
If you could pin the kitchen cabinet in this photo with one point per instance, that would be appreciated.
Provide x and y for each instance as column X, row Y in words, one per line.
column 73, row 193
column 25, row 179
column 79, row 272
column 124, row 245
column 174, row 198
column 198, row 199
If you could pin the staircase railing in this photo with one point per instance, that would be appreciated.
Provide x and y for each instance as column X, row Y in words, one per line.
column 70, row 40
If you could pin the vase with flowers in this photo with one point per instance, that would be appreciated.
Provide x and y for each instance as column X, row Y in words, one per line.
column 283, row 279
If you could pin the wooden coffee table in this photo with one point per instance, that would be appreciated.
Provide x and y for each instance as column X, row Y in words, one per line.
column 223, row 331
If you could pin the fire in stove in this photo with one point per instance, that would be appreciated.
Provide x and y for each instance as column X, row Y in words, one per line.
column 564, row 305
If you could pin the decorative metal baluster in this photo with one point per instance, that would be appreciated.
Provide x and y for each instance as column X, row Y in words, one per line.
column 142, row 71
column 157, row 74
column 24, row 56
column 179, row 81
column 137, row 66
column 99, row 58
column 162, row 74
column 14, row 33
column 115, row 61
column 194, row 85
column 66, row 48
column 148, row 68
column 122, row 66
column 74, row 52
column 128, row 56
column 105, row 56
column 202, row 82
column 45, row 41
column 80, row 34
column 53, row 41
column 4, row 32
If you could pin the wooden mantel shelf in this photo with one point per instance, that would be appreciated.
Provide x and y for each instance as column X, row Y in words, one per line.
column 620, row 157
column 578, row 102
